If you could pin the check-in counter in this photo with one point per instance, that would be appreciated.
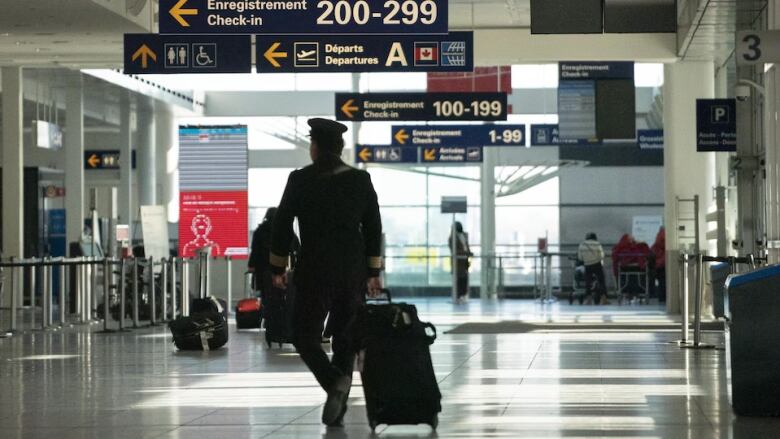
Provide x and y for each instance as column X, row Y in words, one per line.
column 753, row 341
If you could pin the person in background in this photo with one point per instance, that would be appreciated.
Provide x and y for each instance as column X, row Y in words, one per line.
column 461, row 261
column 258, row 263
column 591, row 253
column 659, row 252
column 341, row 238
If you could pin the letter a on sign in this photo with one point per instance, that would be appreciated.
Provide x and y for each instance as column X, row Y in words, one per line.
column 396, row 55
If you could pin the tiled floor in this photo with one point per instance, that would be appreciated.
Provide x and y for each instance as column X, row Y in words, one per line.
column 571, row 384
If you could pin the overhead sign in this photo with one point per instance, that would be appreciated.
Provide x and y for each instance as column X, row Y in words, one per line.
column 754, row 47
column 160, row 54
column 366, row 53
column 356, row 107
column 459, row 135
column 386, row 154
column 577, row 70
column 716, row 125
column 47, row 135
column 108, row 159
column 454, row 204
column 650, row 139
column 303, row 17
column 449, row 154
column 549, row 135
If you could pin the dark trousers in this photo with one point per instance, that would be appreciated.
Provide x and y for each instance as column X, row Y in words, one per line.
column 463, row 286
column 597, row 271
column 311, row 309
column 660, row 277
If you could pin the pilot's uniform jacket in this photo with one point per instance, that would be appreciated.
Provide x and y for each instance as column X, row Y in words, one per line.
column 341, row 232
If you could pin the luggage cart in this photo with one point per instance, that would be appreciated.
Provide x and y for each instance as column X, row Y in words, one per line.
column 630, row 275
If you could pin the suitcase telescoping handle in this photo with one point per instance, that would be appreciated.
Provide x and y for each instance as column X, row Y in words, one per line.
column 385, row 297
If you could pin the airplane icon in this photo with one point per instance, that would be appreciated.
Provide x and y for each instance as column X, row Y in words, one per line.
column 307, row 54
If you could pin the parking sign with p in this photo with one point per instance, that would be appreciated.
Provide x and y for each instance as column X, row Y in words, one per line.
column 716, row 125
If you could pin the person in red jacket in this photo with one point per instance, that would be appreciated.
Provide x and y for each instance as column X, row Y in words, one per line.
column 659, row 251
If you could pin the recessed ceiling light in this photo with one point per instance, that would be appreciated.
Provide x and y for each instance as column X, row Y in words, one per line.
column 5, row 34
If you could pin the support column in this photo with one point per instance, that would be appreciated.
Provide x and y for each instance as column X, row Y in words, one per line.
column 487, row 288
column 772, row 133
column 126, row 212
column 166, row 149
column 147, row 155
column 686, row 172
column 74, row 160
column 13, row 167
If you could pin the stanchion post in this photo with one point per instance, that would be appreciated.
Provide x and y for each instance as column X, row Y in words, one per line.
column 33, row 288
column 122, row 294
column 229, row 269
column 62, row 301
column 185, row 287
column 164, row 288
column 46, row 292
column 93, row 287
column 106, row 292
column 685, row 285
column 699, row 284
column 135, row 292
column 14, row 297
column 173, row 288
column 152, row 292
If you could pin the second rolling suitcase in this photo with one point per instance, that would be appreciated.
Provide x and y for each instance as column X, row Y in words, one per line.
column 396, row 368
column 248, row 313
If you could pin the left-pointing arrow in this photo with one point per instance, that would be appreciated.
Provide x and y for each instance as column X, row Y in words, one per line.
column 177, row 12
column 93, row 161
column 144, row 52
column 365, row 154
column 271, row 54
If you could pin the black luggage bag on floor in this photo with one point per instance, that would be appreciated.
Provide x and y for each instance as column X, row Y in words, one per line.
column 396, row 368
column 202, row 331
column 278, row 314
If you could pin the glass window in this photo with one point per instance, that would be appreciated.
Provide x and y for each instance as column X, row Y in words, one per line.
column 377, row 82
column 649, row 75
column 398, row 187
column 535, row 76
column 266, row 186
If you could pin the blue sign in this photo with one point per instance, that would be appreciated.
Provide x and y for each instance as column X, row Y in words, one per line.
column 549, row 135
column 160, row 54
column 459, row 135
column 386, row 154
column 453, row 52
column 650, row 139
column 576, row 70
column 107, row 159
column 450, row 154
column 355, row 107
column 716, row 125
column 303, row 17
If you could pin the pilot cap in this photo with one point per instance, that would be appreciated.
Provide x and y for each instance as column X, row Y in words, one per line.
column 326, row 126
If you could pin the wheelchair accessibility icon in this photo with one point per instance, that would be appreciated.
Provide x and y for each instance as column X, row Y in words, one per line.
column 204, row 55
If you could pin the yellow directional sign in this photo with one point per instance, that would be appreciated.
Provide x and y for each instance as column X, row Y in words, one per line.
column 178, row 12
column 429, row 155
column 93, row 161
column 349, row 108
column 144, row 52
column 365, row 154
column 401, row 136
column 271, row 54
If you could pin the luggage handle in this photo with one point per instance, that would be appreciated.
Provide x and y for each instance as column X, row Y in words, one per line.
column 431, row 338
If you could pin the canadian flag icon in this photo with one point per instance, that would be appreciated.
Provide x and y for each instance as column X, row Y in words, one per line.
column 426, row 54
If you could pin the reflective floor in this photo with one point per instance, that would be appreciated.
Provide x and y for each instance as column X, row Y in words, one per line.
column 572, row 383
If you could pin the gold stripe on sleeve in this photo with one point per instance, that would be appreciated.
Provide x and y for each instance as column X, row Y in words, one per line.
column 278, row 261
column 375, row 262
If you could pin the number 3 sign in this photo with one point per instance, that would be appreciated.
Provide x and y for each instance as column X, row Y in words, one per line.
column 757, row 47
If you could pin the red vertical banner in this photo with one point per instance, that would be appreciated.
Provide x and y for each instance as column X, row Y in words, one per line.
column 219, row 220
column 213, row 201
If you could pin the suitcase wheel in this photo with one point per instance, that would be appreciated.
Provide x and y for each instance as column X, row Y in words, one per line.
column 373, row 424
column 434, row 422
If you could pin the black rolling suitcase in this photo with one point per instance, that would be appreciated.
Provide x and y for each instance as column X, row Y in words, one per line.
column 395, row 364
column 278, row 314
column 202, row 331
